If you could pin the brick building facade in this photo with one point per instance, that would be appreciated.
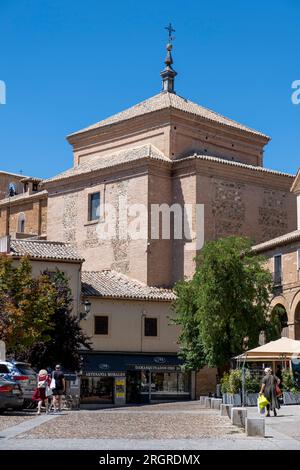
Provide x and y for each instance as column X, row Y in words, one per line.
column 163, row 151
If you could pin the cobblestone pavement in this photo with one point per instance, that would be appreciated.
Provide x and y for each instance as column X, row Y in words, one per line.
column 12, row 418
column 135, row 425
column 169, row 426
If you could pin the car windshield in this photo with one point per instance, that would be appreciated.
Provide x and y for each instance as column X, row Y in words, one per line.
column 25, row 369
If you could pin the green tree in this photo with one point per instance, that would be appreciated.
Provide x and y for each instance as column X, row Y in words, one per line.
column 66, row 338
column 26, row 305
column 224, row 304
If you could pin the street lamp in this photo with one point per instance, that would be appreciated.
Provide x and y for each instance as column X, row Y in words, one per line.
column 87, row 310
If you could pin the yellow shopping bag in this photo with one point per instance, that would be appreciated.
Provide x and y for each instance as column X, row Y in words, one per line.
column 262, row 401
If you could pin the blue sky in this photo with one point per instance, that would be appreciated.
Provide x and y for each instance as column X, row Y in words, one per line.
column 68, row 64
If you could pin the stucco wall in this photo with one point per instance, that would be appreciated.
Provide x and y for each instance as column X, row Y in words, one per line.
column 125, row 326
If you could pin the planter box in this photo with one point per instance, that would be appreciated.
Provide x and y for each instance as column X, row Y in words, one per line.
column 231, row 399
column 251, row 399
column 291, row 398
column 225, row 398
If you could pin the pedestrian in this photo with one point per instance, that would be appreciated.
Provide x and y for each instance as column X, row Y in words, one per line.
column 41, row 392
column 278, row 373
column 60, row 387
column 268, row 389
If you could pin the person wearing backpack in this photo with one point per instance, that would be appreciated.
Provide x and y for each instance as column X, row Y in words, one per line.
column 41, row 393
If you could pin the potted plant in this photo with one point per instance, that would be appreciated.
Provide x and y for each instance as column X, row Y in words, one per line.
column 291, row 394
column 252, row 386
column 225, row 387
column 231, row 386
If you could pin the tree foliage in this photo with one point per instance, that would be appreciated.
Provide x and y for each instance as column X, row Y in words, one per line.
column 66, row 339
column 224, row 305
column 26, row 305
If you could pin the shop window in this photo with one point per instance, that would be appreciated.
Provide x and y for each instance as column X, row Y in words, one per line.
column 101, row 325
column 150, row 326
column 94, row 206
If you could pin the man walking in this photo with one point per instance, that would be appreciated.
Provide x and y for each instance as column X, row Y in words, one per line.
column 60, row 387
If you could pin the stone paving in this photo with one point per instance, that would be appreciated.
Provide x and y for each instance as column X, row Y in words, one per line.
column 14, row 418
column 169, row 426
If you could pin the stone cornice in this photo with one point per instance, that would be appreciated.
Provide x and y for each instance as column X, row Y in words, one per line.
column 23, row 199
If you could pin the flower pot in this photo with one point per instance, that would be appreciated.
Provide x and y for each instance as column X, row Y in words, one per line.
column 290, row 398
column 251, row 399
column 225, row 398
column 234, row 399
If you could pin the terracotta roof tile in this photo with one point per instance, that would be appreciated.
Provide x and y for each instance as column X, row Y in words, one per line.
column 282, row 240
column 172, row 101
column 107, row 161
column 110, row 283
column 225, row 161
column 43, row 249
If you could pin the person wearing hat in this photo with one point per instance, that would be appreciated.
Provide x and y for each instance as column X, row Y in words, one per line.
column 268, row 389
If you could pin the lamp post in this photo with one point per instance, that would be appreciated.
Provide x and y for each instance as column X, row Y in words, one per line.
column 87, row 310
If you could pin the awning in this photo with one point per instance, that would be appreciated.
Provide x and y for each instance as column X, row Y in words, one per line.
column 115, row 364
column 281, row 349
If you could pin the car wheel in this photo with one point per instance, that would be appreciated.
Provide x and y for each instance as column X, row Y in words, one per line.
column 2, row 411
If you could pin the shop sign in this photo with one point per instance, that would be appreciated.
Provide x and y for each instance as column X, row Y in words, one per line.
column 120, row 388
column 103, row 374
column 154, row 367
column 160, row 360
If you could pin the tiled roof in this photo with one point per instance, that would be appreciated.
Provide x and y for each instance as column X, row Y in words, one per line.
column 107, row 161
column 113, row 284
column 224, row 161
column 282, row 240
column 170, row 100
column 42, row 249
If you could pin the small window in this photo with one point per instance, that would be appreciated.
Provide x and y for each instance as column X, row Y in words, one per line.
column 277, row 269
column 94, row 206
column 150, row 326
column 21, row 223
column 101, row 325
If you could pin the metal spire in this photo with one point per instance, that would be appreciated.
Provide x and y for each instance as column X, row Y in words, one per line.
column 168, row 74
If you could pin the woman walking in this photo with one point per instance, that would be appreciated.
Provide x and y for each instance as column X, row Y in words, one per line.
column 268, row 388
column 40, row 394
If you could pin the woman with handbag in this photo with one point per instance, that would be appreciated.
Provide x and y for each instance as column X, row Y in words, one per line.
column 42, row 391
column 270, row 389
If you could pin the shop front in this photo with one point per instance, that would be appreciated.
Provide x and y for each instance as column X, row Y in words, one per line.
column 117, row 379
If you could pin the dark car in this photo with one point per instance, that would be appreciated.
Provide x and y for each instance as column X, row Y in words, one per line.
column 11, row 395
column 22, row 374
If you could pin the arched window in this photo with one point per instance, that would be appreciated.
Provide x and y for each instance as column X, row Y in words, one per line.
column 21, row 223
column 279, row 320
column 297, row 322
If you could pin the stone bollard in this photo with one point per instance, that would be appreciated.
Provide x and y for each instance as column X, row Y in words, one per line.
column 226, row 410
column 216, row 403
column 202, row 400
column 238, row 416
column 207, row 402
column 255, row 427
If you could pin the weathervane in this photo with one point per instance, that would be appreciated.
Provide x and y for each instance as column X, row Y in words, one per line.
column 170, row 31
column 168, row 74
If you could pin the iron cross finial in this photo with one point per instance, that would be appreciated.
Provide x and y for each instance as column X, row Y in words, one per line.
column 170, row 31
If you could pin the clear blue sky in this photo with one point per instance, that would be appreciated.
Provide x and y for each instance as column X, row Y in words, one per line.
column 70, row 63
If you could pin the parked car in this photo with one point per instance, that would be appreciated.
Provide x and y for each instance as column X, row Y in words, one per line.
column 21, row 373
column 11, row 396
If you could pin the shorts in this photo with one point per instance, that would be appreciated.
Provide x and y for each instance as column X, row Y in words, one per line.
column 57, row 391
